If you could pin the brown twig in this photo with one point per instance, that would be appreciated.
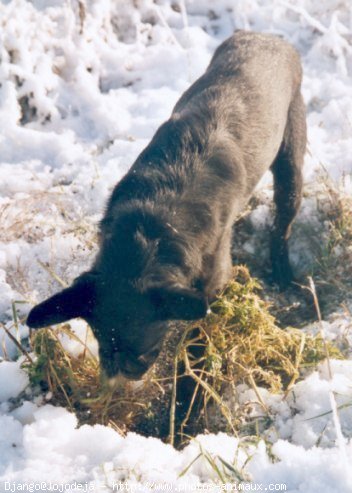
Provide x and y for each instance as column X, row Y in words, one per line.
column 17, row 344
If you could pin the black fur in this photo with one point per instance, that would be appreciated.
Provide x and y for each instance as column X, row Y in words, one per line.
column 166, row 234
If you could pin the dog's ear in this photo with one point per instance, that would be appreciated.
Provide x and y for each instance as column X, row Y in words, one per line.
column 74, row 301
column 178, row 303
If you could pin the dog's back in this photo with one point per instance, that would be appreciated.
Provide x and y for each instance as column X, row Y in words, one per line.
column 246, row 91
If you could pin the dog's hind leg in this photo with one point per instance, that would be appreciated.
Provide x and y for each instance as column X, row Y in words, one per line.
column 287, row 171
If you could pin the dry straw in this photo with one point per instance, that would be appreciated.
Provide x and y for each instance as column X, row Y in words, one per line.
column 239, row 342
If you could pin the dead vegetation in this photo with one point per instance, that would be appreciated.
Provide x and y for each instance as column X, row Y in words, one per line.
column 239, row 342
column 333, row 265
column 32, row 218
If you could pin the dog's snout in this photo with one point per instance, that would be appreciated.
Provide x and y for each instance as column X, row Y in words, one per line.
column 116, row 382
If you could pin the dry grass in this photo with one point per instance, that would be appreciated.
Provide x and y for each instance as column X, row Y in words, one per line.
column 75, row 383
column 241, row 343
column 238, row 342
column 334, row 263
column 28, row 218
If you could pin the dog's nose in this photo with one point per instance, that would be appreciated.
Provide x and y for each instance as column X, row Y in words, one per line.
column 120, row 382
column 116, row 382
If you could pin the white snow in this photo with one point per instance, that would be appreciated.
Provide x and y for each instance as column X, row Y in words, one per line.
column 80, row 96
column 13, row 380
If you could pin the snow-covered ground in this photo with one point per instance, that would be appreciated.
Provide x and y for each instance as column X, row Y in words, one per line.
column 83, row 87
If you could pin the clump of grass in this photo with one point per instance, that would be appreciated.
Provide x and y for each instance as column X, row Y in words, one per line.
column 335, row 260
column 243, row 342
column 74, row 382
column 238, row 342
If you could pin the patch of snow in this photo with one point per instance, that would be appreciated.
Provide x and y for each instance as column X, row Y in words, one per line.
column 13, row 379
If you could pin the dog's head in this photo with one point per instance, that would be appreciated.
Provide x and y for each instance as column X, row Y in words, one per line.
column 137, row 286
column 129, row 324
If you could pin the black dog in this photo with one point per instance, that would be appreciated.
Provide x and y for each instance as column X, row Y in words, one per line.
column 166, row 235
